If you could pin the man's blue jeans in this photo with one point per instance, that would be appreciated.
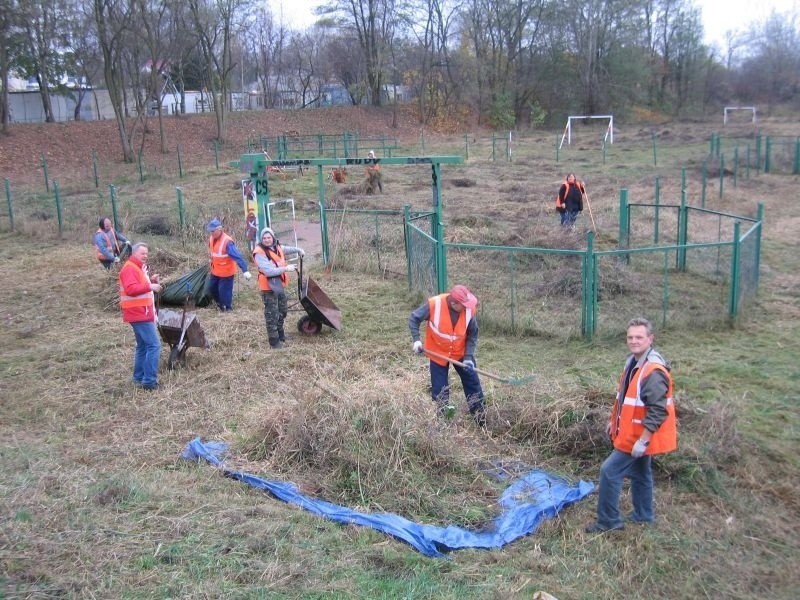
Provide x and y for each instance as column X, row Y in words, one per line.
column 615, row 468
column 221, row 290
column 148, row 352
column 440, row 388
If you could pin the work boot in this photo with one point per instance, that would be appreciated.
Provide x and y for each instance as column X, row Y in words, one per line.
column 281, row 335
column 275, row 343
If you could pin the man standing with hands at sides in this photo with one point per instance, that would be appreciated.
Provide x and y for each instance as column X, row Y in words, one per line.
column 137, row 291
column 452, row 332
column 224, row 258
column 270, row 256
column 642, row 424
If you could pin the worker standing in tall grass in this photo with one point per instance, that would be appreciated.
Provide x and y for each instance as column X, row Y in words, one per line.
column 642, row 424
column 137, row 289
column 569, row 200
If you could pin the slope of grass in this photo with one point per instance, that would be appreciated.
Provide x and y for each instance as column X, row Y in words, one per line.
column 96, row 502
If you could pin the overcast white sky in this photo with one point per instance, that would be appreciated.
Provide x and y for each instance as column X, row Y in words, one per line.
column 719, row 16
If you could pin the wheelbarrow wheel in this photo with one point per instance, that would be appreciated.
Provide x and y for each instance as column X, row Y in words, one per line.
column 308, row 326
column 174, row 357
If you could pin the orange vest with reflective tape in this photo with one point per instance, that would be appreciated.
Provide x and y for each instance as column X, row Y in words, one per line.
column 629, row 413
column 278, row 258
column 146, row 300
column 112, row 242
column 222, row 265
column 442, row 336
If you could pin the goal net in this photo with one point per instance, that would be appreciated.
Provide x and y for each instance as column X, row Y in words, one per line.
column 595, row 123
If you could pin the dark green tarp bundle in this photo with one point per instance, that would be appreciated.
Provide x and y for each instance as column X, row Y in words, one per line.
column 194, row 284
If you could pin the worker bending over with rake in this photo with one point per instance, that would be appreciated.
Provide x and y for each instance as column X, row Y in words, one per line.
column 451, row 337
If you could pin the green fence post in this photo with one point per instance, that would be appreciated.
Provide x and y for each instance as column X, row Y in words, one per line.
column 216, row 154
column 441, row 259
column 407, row 241
column 735, row 165
column 422, row 140
column 141, row 168
column 180, row 165
column 466, row 146
column 624, row 224
column 758, row 154
column 94, row 168
column 768, row 155
column 733, row 297
column 683, row 179
column 721, row 173
column 58, row 209
column 558, row 147
column 658, row 202
column 655, row 156
column 44, row 170
column 323, row 218
column 711, row 144
column 705, row 182
column 113, row 194
column 665, row 295
column 588, row 272
column 796, row 166
column 683, row 228
column 760, row 217
column 747, row 164
column 493, row 143
column 719, row 144
column 512, row 266
column 181, row 215
column 8, row 201
column 508, row 147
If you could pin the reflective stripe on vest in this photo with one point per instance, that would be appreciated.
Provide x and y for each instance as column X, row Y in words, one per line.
column 630, row 411
column 140, row 300
column 280, row 261
column 114, row 247
column 221, row 264
column 442, row 336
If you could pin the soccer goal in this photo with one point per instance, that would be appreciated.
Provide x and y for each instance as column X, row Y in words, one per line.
column 728, row 109
column 607, row 137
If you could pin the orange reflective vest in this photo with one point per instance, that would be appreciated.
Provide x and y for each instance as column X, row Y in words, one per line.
column 222, row 265
column 278, row 258
column 111, row 241
column 629, row 413
column 142, row 306
column 442, row 336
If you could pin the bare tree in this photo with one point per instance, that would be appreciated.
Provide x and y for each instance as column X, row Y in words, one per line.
column 113, row 19
column 214, row 25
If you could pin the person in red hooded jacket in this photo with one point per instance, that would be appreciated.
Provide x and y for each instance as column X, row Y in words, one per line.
column 137, row 289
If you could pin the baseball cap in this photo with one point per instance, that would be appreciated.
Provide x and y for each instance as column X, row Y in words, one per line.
column 462, row 295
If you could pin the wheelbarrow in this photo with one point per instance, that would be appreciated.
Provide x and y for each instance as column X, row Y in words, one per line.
column 180, row 329
column 320, row 310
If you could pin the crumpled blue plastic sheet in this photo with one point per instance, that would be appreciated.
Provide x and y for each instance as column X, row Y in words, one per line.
column 535, row 496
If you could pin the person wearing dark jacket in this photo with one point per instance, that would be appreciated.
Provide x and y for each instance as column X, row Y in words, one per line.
column 569, row 201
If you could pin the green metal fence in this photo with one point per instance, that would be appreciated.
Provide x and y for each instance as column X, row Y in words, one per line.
column 700, row 269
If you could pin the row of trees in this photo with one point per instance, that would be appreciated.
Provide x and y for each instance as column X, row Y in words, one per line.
column 512, row 61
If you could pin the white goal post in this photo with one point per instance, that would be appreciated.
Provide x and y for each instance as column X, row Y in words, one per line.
column 608, row 137
column 727, row 109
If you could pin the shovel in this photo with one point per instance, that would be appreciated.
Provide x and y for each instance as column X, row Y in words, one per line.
column 490, row 375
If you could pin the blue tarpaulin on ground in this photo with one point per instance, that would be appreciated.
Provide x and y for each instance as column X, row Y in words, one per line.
column 533, row 497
